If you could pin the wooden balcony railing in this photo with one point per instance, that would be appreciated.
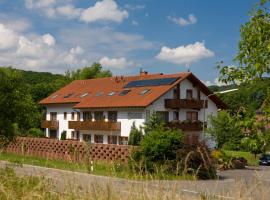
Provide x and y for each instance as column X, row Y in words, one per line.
column 96, row 125
column 187, row 126
column 185, row 103
column 53, row 125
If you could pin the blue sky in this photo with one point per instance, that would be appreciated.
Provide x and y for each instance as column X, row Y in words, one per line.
column 124, row 36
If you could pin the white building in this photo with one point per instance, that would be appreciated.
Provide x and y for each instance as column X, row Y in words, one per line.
column 102, row 110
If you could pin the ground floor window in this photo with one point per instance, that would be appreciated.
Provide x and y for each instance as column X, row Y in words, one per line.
column 87, row 138
column 75, row 135
column 163, row 116
column 112, row 139
column 53, row 134
column 192, row 116
column 98, row 138
column 123, row 140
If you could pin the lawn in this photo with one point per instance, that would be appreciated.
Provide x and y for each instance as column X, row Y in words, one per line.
column 99, row 167
column 250, row 157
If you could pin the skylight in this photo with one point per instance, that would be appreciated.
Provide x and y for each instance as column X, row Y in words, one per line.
column 99, row 94
column 68, row 95
column 54, row 96
column 124, row 92
column 84, row 94
column 144, row 91
column 111, row 93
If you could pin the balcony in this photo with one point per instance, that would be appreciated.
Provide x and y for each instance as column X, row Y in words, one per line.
column 53, row 125
column 95, row 126
column 185, row 103
column 187, row 125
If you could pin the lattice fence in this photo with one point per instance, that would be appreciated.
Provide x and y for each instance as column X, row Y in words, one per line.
column 68, row 150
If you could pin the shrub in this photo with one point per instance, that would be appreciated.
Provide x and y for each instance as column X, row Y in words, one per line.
column 135, row 135
column 63, row 135
column 35, row 132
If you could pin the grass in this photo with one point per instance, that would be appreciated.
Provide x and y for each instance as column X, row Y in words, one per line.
column 250, row 157
column 112, row 169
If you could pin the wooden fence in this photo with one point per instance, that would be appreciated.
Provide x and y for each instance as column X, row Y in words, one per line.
column 69, row 150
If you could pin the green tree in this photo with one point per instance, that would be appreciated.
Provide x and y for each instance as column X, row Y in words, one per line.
column 18, row 111
column 253, row 57
column 95, row 71
column 154, row 122
column 135, row 135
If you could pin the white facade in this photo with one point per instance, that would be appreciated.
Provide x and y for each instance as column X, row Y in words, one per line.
column 126, row 116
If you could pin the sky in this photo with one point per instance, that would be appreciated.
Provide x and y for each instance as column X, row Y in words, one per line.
column 124, row 36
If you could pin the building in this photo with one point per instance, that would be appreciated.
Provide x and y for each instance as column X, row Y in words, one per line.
column 103, row 110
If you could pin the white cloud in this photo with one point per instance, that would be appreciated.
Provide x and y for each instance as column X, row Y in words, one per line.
column 106, row 10
column 115, row 63
column 215, row 82
column 48, row 39
column 135, row 23
column 185, row 54
column 8, row 38
column 13, row 23
column 184, row 22
column 77, row 50
column 69, row 11
column 34, row 4
column 134, row 7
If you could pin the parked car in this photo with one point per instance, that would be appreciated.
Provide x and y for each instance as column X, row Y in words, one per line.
column 264, row 159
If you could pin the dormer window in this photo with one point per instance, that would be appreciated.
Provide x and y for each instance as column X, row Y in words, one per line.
column 111, row 93
column 189, row 94
column 54, row 96
column 68, row 95
column 144, row 91
column 84, row 94
column 124, row 92
column 99, row 94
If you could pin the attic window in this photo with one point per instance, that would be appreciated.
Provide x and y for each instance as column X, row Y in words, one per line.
column 111, row 93
column 124, row 92
column 68, row 95
column 84, row 94
column 99, row 94
column 144, row 91
column 54, row 96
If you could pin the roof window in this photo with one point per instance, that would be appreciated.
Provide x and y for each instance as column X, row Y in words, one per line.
column 111, row 93
column 99, row 94
column 144, row 91
column 68, row 95
column 124, row 92
column 84, row 94
column 54, row 96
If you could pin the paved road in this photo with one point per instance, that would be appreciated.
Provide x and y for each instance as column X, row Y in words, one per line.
column 252, row 183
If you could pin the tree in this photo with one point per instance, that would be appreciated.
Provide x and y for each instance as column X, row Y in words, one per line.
column 253, row 57
column 225, row 129
column 18, row 111
column 135, row 135
column 154, row 122
column 95, row 71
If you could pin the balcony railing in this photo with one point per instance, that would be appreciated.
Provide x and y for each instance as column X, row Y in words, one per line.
column 186, row 125
column 53, row 125
column 185, row 103
column 95, row 125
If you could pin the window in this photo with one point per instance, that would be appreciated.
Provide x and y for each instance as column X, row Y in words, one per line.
column 112, row 139
column 65, row 115
column 87, row 138
column 189, row 94
column 123, row 140
column 144, row 91
column 53, row 134
column 99, row 116
column 72, row 115
column 99, row 94
column 84, row 94
column 163, row 116
column 87, row 116
column 111, row 93
column 98, row 139
column 192, row 116
column 53, row 116
column 54, row 96
column 74, row 135
column 112, row 116
column 124, row 92
column 68, row 95
column 78, row 116
column 135, row 115
column 175, row 115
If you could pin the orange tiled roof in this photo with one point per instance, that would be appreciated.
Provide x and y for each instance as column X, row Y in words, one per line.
column 112, row 84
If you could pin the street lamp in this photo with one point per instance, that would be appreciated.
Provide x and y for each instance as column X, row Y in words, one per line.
column 206, row 98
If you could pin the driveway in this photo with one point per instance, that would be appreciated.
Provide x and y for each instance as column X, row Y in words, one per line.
column 251, row 183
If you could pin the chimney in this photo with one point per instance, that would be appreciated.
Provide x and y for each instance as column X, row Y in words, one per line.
column 143, row 73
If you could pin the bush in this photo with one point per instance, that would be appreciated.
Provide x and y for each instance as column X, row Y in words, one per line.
column 135, row 136
column 35, row 132
column 63, row 135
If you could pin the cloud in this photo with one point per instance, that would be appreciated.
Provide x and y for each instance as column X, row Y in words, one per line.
column 134, row 7
column 8, row 38
column 115, row 63
column 184, row 22
column 34, row 4
column 106, row 10
column 68, row 11
column 135, row 23
column 14, row 23
column 215, row 82
column 185, row 54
